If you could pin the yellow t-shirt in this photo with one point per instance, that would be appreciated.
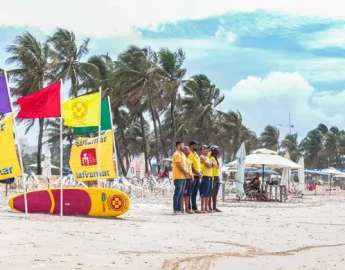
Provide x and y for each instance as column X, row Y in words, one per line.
column 195, row 159
column 205, row 170
column 189, row 165
column 178, row 157
column 215, row 169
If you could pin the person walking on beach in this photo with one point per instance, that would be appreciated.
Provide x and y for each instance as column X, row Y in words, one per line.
column 186, row 193
column 196, row 167
column 206, row 180
column 179, row 174
column 216, row 180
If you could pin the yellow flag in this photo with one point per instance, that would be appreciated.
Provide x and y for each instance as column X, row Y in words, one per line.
column 82, row 111
column 84, row 158
column 9, row 164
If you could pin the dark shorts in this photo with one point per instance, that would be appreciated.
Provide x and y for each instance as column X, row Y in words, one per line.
column 205, row 186
column 187, row 188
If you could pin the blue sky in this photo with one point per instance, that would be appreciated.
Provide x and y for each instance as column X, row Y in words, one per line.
column 269, row 60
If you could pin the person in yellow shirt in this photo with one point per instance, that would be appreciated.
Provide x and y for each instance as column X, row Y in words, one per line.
column 179, row 174
column 216, row 180
column 196, row 167
column 206, row 180
column 185, row 198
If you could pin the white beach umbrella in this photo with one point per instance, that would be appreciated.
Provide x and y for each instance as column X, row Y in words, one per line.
column 47, row 166
column 240, row 159
column 267, row 160
column 331, row 172
column 301, row 176
column 286, row 176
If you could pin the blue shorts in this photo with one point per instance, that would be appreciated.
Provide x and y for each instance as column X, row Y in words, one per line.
column 205, row 186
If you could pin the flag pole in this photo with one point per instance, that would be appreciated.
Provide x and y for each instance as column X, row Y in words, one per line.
column 112, row 129
column 18, row 145
column 61, row 153
column 99, row 137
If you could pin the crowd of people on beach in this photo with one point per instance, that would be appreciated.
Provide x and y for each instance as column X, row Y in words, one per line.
column 193, row 174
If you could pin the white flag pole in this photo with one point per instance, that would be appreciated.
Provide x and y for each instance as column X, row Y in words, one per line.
column 18, row 145
column 61, row 153
column 99, row 137
column 112, row 129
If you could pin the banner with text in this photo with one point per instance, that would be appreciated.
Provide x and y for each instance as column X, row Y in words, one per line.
column 9, row 164
column 84, row 158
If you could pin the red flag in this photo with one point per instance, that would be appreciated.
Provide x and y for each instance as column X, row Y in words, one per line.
column 44, row 103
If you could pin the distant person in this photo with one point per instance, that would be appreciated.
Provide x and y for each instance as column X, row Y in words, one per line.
column 254, row 186
column 189, row 181
column 206, row 180
column 197, row 174
column 180, row 174
column 216, row 180
column 166, row 172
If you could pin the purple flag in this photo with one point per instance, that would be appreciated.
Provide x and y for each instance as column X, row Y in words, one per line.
column 5, row 106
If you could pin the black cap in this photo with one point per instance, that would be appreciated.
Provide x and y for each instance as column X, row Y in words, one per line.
column 193, row 143
column 214, row 147
column 204, row 146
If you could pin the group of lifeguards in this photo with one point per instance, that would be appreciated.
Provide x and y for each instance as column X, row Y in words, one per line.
column 192, row 173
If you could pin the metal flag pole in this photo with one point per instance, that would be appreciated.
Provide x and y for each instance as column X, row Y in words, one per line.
column 99, row 137
column 18, row 145
column 61, row 153
column 112, row 129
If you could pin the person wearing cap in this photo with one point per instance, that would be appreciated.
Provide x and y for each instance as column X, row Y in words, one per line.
column 179, row 174
column 216, row 180
column 186, row 193
column 196, row 168
column 206, row 180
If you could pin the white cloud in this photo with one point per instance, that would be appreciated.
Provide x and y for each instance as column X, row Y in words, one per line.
column 314, row 69
column 269, row 100
column 114, row 18
column 334, row 37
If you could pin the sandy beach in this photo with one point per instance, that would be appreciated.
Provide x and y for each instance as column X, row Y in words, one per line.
column 246, row 235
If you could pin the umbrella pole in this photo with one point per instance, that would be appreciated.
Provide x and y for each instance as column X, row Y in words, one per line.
column 330, row 185
column 263, row 173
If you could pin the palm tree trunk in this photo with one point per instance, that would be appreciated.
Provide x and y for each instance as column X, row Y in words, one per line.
column 144, row 139
column 154, row 125
column 39, row 146
column 161, row 136
column 123, row 169
column 173, row 122
column 122, row 133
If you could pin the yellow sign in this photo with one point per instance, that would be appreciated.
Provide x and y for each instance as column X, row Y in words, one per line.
column 82, row 111
column 9, row 164
column 84, row 158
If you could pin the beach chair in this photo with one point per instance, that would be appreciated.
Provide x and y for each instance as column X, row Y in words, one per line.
column 294, row 192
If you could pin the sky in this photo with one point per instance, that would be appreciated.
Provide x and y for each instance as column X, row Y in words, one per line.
column 269, row 58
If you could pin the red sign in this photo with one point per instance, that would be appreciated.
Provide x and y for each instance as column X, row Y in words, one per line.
column 88, row 157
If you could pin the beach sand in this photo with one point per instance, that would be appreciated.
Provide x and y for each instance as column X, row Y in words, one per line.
column 246, row 235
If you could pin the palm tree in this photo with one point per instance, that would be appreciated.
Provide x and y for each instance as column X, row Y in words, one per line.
column 171, row 64
column 290, row 144
column 312, row 147
column 270, row 138
column 202, row 98
column 32, row 58
column 67, row 61
column 140, row 77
